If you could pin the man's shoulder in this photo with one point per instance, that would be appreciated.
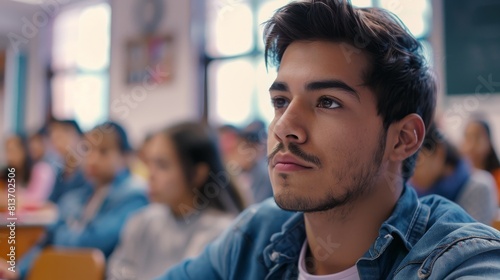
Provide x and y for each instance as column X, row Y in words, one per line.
column 452, row 241
column 461, row 251
column 448, row 221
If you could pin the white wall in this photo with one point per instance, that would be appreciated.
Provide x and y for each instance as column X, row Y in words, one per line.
column 35, row 88
column 35, row 46
column 163, row 104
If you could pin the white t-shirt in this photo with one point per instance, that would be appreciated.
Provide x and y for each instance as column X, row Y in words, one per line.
column 348, row 274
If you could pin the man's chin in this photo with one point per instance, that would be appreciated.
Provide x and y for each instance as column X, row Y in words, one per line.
column 298, row 203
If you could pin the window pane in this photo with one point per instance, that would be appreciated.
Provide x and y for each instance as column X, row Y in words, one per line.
column 81, row 38
column 65, row 40
column 362, row 3
column 415, row 14
column 231, row 87
column 230, row 27
column 82, row 97
column 265, row 12
column 93, row 40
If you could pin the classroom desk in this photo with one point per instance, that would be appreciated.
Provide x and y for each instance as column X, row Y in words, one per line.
column 26, row 237
column 29, row 228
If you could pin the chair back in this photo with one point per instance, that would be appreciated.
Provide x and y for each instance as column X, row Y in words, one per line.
column 68, row 263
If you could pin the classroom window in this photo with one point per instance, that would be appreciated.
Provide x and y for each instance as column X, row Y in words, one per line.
column 80, row 63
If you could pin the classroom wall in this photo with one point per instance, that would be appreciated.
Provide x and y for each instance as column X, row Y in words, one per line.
column 153, row 107
column 33, row 45
column 36, row 48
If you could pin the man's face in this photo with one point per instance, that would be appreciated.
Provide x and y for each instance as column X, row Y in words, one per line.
column 326, row 141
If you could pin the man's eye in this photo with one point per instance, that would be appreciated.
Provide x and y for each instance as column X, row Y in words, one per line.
column 279, row 102
column 328, row 103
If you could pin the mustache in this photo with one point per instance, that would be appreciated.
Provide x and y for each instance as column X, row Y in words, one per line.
column 295, row 150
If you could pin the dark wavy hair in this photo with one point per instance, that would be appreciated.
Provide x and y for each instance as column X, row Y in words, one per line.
column 194, row 144
column 399, row 75
column 120, row 133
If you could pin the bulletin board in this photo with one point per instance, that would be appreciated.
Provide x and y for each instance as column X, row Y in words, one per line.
column 150, row 59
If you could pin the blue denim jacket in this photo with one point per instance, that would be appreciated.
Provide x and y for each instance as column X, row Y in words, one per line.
column 125, row 197
column 430, row 238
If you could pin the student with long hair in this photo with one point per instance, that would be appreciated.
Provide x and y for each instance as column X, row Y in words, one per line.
column 478, row 147
column 193, row 197
column 34, row 180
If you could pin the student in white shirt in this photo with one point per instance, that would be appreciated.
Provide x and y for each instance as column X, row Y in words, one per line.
column 193, row 199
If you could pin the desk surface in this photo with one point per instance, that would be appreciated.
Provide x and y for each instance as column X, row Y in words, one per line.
column 28, row 227
column 42, row 216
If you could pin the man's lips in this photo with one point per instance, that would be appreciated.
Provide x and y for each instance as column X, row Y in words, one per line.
column 285, row 162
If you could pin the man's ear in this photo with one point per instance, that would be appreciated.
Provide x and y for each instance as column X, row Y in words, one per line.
column 407, row 135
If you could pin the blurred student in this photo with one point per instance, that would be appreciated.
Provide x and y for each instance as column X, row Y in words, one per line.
column 245, row 156
column 66, row 138
column 40, row 149
column 93, row 216
column 34, row 180
column 194, row 201
column 37, row 145
column 478, row 147
column 138, row 162
column 441, row 170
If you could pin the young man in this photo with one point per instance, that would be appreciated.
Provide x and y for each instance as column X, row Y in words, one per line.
column 352, row 100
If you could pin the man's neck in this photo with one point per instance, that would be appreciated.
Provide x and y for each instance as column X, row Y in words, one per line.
column 337, row 238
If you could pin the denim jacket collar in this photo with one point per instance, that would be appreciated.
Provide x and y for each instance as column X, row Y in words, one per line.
column 408, row 221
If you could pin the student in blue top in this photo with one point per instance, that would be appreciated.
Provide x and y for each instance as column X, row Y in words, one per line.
column 93, row 216
column 441, row 170
column 65, row 137
column 352, row 101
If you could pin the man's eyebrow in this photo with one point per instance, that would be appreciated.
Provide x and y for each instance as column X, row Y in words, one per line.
column 279, row 86
column 332, row 84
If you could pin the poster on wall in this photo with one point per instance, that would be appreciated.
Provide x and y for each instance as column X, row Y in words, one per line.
column 150, row 60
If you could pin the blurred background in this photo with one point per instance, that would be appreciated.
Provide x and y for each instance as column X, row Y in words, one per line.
column 151, row 63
